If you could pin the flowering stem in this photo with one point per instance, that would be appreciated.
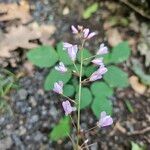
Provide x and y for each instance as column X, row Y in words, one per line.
column 91, row 129
column 79, row 99
column 69, row 98
column 85, row 59
column 76, row 67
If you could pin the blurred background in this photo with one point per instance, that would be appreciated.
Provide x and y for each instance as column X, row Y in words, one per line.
column 28, row 113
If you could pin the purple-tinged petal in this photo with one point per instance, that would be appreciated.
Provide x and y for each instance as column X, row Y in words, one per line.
column 95, row 76
column 103, row 114
column 72, row 52
column 61, row 67
column 86, row 32
column 67, row 45
column 74, row 30
column 102, row 49
column 58, row 87
column 98, row 61
column 102, row 70
column 105, row 120
column 92, row 34
column 67, row 107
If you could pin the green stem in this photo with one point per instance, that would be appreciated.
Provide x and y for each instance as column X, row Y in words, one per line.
column 85, row 59
column 79, row 99
column 69, row 98
column 76, row 67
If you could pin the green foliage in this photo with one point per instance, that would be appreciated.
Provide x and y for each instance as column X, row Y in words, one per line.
column 55, row 76
column 137, row 68
column 61, row 130
column 135, row 146
column 86, row 54
column 43, row 56
column 63, row 56
column 89, row 70
column 100, row 89
column 90, row 10
column 120, row 53
column 115, row 77
column 7, row 82
column 86, row 97
column 69, row 90
column 129, row 106
column 101, row 104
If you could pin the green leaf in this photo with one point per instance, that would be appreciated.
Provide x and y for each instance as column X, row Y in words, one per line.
column 100, row 89
column 115, row 77
column 61, row 130
column 90, row 10
column 137, row 68
column 120, row 53
column 136, row 146
column 55, row 76
column 89, row 70
column 86, row 97
column 63, row 55
column 129, row 106
column 86, row 54
column 101, row 104
column 69, row 90
column 43, row 56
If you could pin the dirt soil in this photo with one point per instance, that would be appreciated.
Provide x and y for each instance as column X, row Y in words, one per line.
column 35, row 112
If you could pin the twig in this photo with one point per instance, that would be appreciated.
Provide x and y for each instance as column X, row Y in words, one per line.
column 139, row 131
column 139, row 11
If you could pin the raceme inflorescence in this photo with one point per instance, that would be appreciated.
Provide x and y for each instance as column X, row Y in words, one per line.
column 74, row 105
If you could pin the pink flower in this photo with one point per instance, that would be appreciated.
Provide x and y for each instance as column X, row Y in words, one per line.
column 72, row 50
column 67, row 107
column 98, row 61
column 95, row 76
column 58, row 87
column 74, row 30
column 98, row 74
column 102, row 49
column 102, row 70
column 87, row 34
column 105, row 120
column 61, row 67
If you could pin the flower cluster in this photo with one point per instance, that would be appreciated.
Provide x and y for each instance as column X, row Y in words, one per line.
column 72, row 50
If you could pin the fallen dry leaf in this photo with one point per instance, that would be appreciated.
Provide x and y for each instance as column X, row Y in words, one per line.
column 22, row 36
column 17, row 37
column 136, row 85
column 14, row 11
column 45, row 31
column 114, row 37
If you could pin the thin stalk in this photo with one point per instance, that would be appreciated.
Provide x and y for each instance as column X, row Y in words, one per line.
column 85, row 59
column 91, row 129
column 73, row 122
column 79, row 99
column 76, row 67
column 69, row 98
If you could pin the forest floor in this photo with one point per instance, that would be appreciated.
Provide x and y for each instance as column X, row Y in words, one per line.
column 31, row 113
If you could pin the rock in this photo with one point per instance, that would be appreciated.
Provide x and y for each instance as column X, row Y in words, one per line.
column 22, row 94
column 34, row 119
column 22, row 130
column 18, row 142
column 6, row 143
column 94, row 146
column 33, row 101
column 38, row 136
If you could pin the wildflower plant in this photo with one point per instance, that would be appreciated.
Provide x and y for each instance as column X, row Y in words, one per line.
column 83, row 80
